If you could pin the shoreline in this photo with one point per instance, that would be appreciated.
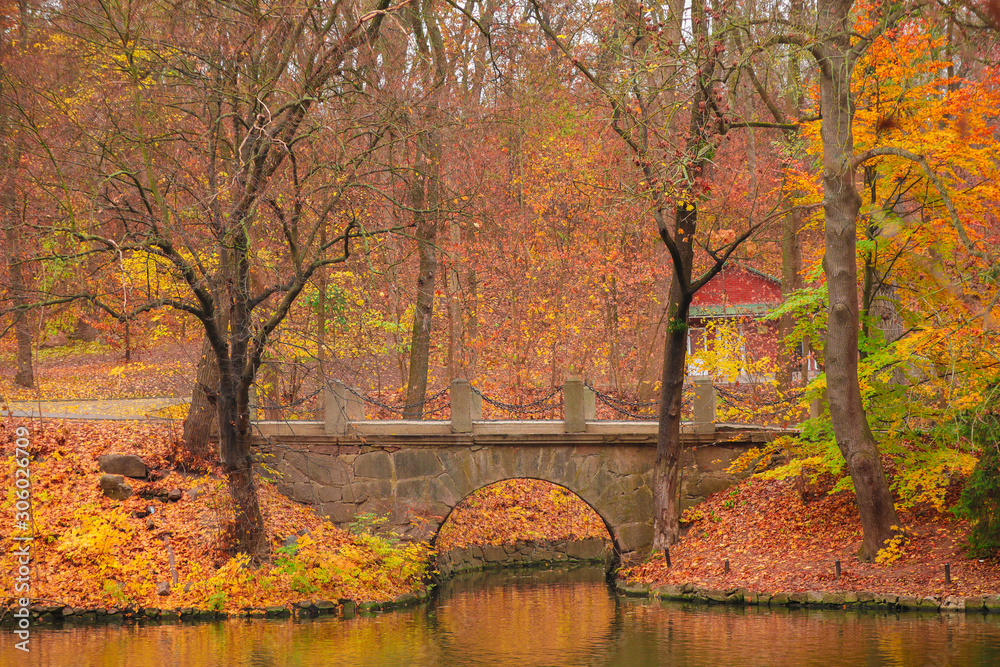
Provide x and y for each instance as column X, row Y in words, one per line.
column 841, row 599
column 845, row 600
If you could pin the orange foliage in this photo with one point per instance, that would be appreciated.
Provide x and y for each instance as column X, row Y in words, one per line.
column 520, row 509
column 91, row 551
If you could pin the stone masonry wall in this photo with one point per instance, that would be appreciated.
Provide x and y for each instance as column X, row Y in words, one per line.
column 417, row 487
column 521, row 554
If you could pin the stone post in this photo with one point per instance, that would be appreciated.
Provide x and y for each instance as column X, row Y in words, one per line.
column 818, row 406
column 704, row 404
column 342, row 407
column 579, row 405
column 466, row 406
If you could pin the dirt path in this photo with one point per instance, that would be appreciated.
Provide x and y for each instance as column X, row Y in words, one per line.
column 167, row 407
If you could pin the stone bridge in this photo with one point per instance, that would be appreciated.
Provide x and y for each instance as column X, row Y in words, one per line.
column 415, row 472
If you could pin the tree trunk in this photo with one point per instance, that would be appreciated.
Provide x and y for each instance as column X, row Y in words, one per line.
column 424, row 196
column 667, row 468
column 791, row 280
column 841, row 204
column 456, row 330
column 10, row 154
column 201, row 414
column 249, row 535
column 25, row 375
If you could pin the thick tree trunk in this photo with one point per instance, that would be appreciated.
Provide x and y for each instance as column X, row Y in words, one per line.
column 667, row 468
column 841, row 204
column 249, row 535
column 201, row 414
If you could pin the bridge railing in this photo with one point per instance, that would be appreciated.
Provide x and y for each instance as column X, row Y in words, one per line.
column 344, row 406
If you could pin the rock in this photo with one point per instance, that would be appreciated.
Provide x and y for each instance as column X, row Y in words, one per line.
column 114, row 487
column 952, row 603
column 798, row 598
column 494, row 554
column 992, row 603
column 907, row 602
column 174, row 495
column 163, row 588
column 833, row 599
column 150, row 524
column 592, row 549
column 711, row 594
column 57, row 339
column 974, row 603
column 84, row 331
column 195, row 492
column 778, row 599
column 122, row 464
column 635, row 590
column 670, row 592
column 930, row 604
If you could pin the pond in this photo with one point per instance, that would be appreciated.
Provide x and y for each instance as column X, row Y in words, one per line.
column 534, row 618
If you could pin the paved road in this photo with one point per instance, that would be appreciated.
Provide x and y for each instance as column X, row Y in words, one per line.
column 124, row 408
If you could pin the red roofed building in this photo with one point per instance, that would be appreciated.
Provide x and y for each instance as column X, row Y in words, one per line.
column 739, row 296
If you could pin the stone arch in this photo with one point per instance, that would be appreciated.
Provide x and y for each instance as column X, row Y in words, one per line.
column 607, row 526
column 430, row 481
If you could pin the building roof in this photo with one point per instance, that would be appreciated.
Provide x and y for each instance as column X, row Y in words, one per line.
column 744, row 292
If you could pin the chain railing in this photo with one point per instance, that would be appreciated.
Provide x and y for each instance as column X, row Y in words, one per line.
column 533, row 408
column 751, row 403
column 402, row 410
column 760, row 408
column 621, row 406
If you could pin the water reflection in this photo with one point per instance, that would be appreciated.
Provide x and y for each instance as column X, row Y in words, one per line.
column 551, row 618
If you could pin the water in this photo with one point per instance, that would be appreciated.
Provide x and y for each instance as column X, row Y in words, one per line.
column 534, row 618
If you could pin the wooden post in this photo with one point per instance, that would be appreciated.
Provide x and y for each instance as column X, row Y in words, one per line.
column 342, row 407
column 704, row 405
column 576, row 404
column 466, row 406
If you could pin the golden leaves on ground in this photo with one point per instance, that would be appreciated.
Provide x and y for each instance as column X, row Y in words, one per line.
column 775, row 541
column 520, row 509
column 91, row 551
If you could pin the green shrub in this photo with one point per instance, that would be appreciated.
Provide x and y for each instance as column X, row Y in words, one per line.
column 980, row 500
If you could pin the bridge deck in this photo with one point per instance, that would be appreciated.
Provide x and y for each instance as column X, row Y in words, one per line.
column 501, row 433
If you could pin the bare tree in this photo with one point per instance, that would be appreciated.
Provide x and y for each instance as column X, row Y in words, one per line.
column 225, row 160
column 661, row 78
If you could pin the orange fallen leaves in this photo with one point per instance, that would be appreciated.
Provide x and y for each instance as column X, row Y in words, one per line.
column 520, row 510
column 91, row 551
column 775, row 541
